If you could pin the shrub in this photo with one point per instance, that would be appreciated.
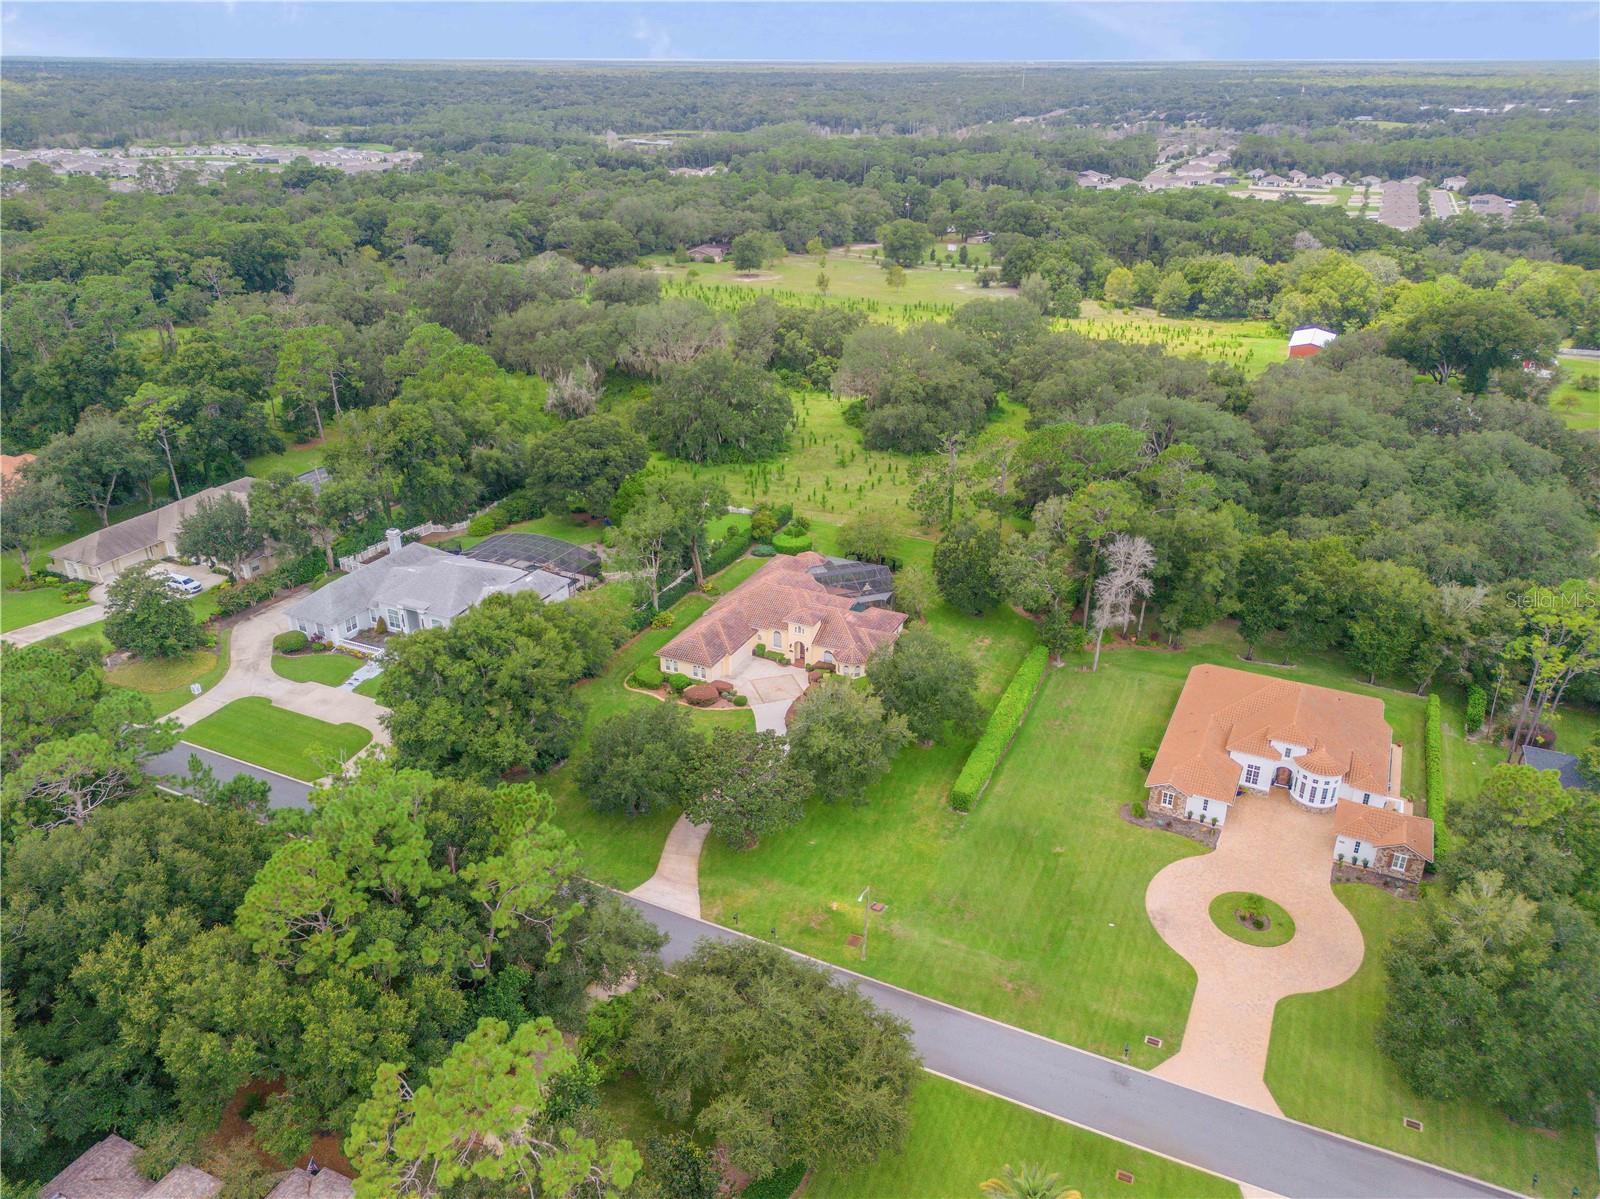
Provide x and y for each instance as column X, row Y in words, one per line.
column 758, row 650
column 727, row 551
column 1138, row 809
column 701, row 695
column 291, row 642
column 663, row 620
column 521, row 505
column 321, row 647
column 791, row 543
column 480, row 526
column 1477, row 707
column 799, row 524
column 1147, row 758
column 1433, row 764
column 762, row 551
column 1003, row 724
column 740, row 701
column 648, row 676
column 382, row 627
column 678, row 682
column 778, row 1185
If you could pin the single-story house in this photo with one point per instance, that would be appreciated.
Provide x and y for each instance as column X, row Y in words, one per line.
column 414, row 587
column 102, row 555
column 1382, row 839
column 1234, row 731
column 107, row 1170
column 1272, row 181
column 709, row 252
column 1333, row 179
column 1454, row 183
column 783, row 607
column 1371, row 181
column 1565, row 765
column 1255, row 173
column 1309, row 339
column 1489, row 204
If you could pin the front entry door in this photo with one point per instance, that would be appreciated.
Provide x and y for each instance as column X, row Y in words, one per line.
column 799, row 654
column 1282, row 777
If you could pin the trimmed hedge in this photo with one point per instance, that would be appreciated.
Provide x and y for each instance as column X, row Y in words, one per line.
column 727, row 551
column 779, row 1185
column 1003, row 724
column 1433, row 760
column 291, row 642
column 648, row 675
column 679, row 681
column 1477, row 708
column 791, row 543
column 740, row 701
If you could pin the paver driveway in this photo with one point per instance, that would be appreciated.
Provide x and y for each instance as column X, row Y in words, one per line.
column 1274, row 848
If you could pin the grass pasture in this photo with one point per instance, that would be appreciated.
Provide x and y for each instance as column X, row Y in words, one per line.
column 1250, row 345
column 1324, row 1067
column 1580, row 409
column 253, row 730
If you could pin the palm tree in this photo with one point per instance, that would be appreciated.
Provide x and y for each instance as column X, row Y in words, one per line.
column 1027, row 1182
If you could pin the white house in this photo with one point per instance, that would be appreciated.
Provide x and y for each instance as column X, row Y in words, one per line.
column 1234, row 731
column 104, row 554
column 414, row 587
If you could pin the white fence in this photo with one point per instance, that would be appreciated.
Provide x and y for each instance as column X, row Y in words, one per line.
column 378, row 549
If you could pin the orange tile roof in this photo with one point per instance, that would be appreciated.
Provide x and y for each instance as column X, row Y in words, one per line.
column 782, row 593
column 1223, row 709
column 1383, row 827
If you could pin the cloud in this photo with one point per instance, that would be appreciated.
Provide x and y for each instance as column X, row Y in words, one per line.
column 656, row 38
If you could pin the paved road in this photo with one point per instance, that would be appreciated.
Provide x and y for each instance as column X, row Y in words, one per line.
column 1267, row 1152
column 286, row 792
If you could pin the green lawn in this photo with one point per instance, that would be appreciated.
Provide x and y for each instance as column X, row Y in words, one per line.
column 1225, row 909
column 18, row 609
column 165, row 682
column 1580, row 409
column 618, row 850
column 369, row 688
column 329, row 669
column 1325, row 1068
column 564, row 525
column 959, row 1137
column 298, row 746
column 297, row 459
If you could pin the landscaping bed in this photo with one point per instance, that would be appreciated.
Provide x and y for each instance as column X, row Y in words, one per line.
column 1252, row 918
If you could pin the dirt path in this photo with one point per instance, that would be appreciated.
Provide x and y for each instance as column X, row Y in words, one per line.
column 1273, row 848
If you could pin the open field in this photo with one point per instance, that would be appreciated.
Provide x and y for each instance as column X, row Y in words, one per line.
column 301, row 747
column 959, row 1137
column 1325, row 1068
column 165, row 682
column 329, row 669
column 1580, row 409
column 1250, row 345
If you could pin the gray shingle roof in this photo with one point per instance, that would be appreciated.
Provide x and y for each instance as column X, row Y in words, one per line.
column 147, row 529
column 430, row 581
column 1566, row 765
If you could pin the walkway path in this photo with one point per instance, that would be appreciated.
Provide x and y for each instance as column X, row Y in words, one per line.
column 30, row 634
column 676, row 883
column 1274, row 848
column 250, row 673
column 1262, row 1152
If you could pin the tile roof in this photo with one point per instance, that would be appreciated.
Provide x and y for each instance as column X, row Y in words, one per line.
column 418, row 576
column 783, row 592
column 147, row 529
column 1222, row 709
column 1383, row 827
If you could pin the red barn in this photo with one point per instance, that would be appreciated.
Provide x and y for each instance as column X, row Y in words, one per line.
column 1308, row 340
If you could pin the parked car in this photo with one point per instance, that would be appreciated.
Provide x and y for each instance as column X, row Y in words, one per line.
column 183, row 584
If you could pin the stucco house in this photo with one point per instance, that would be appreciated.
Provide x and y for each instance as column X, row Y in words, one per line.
column 1382, row 839
column 413, row 587
column 102, row 555
column 1233, row 731
column 786, row 608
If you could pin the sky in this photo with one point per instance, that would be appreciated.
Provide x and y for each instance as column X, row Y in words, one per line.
column 909, row 31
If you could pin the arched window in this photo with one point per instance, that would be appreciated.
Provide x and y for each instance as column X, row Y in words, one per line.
column 827, row 655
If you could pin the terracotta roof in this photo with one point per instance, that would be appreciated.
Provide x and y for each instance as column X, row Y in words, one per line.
column 1383, row 827
column 147, row 529
column 1222, row 709
column 10, row 465
column 783, row 593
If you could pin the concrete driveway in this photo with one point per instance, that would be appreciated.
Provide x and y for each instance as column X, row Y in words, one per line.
column 1272, row 847
column 770, row 687
column 250, row 673
column 96, row 611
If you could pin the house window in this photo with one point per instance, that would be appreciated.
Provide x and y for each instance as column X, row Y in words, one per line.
column 1166, row 798
column 1366, row 797
column 699, row 672
column 669, row 665
column 351, row 625
column 1205, row 805
column 1252, row 775
column 1356, row 852
column 797, row 629
column 1398, row 862
column 777, row 638
column 827, row 655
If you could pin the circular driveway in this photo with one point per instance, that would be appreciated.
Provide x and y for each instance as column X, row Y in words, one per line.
column 1274, row 848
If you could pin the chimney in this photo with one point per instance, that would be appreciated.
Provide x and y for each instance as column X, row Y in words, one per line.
column 392, row 536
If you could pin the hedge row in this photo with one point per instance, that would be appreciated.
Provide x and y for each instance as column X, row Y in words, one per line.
column 791, row 543
column 1477, row 708
column 1003, row 724
column 1433, row 761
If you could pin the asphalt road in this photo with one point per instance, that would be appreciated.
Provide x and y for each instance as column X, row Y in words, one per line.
column 286, row 792
column 1274, row 1154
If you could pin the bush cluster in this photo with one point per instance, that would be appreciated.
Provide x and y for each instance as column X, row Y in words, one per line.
column 726, row 552
column 762, row 551
column 1477, row 707
column 678, row 682
column 663, row 620
column 1003, row 724
column 1137, row 808
column 648, row 676
column 1433, row 761
column 1147, row 758
column 291, row 642
column 777, row 1186
column 791, row 542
